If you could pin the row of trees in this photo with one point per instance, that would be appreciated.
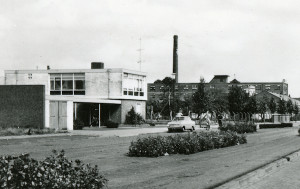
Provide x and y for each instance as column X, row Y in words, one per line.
column 214, row 100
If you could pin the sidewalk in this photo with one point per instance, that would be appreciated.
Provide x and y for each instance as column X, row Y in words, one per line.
column 286, row 176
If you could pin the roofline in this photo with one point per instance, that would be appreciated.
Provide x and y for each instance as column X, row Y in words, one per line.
column 113, row 70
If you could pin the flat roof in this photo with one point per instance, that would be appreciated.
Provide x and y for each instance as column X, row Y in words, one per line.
column 112, row 70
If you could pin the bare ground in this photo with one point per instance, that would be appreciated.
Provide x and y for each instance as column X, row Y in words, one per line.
column 202, row 170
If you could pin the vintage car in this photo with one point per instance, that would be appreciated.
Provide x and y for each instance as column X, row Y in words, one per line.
column 181, row 123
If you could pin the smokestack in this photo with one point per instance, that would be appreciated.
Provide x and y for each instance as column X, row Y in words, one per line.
column 175, row 58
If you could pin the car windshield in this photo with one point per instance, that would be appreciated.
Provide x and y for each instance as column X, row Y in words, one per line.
column 178, row 118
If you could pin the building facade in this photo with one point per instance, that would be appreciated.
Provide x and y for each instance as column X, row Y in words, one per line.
column 91, row 95
column 219, row 82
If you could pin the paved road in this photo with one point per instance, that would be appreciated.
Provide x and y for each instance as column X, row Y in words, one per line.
column 202, row 170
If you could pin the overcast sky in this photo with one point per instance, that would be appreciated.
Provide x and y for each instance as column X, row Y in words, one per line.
column 255, row 40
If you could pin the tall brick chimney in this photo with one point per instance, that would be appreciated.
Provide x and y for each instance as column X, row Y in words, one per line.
column 175, row 58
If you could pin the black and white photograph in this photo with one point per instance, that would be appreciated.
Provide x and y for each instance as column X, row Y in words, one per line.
column 196, row 94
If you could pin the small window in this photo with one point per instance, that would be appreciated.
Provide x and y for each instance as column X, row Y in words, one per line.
column 29, row 76
column 152, row 88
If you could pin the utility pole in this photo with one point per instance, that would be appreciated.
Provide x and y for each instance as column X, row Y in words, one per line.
column 140, row 54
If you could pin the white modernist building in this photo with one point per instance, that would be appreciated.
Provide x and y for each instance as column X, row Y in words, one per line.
column 92, row 96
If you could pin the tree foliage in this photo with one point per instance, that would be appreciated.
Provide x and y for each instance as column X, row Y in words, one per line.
column 200, row 99
column 289, row 106
column 296, row 109
column 281, row 107
column 218, row 101
column 237, row 99
column 272, row 105
column 251, row 105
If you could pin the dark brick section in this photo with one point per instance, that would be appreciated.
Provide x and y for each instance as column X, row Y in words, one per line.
column 22, row 106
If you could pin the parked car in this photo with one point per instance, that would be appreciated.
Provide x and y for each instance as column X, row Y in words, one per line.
column 181, row 123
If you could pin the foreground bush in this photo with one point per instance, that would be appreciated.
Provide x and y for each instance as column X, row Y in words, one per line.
column 239, row 127
column 154, row 146
column 55, row 171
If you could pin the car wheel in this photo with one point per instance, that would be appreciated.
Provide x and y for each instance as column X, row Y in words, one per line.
column 183, row 128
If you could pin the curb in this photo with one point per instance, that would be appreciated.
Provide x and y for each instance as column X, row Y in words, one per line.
column 259, row 173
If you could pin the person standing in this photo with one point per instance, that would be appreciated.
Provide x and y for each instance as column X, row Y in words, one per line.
column 207, row 123
column 220, row 117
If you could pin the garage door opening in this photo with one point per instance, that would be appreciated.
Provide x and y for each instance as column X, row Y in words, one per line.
column 95, row 114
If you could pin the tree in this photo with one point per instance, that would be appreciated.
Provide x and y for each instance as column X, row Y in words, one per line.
column 289, row 107
column 296, row 109
column 251, row 105
column 158, row 81
column 262, row 108
column 218, row 101
column 163, row 107
column 237, row 99
column 281, row 107
column 133, row 118
column 168, row 82
column 272, row 105
column 200, row 99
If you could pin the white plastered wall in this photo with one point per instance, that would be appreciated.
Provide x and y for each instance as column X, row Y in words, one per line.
column 70, row 115
column 47, row 113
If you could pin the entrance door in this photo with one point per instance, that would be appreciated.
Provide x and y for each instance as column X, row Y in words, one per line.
column 58, row 114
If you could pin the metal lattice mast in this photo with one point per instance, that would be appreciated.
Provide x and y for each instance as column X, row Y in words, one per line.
column 140, row 54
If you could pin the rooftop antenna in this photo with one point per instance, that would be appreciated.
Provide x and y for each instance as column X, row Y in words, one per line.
column 140, row 54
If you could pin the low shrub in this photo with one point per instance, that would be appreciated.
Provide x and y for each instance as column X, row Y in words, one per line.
column 15, row 131
column 111, row 124
column 239, row 127
column 275, row 125
column 55, row 171
column 133, row 118
column 78, row 124
column 154, row 146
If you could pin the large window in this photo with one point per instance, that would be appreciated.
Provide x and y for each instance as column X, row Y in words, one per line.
column 133, row 85
column 67, row 84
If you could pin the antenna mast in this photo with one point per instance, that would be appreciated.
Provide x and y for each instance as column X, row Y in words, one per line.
column 140, row 54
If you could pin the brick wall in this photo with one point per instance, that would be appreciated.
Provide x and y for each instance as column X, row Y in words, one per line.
column 22, row 105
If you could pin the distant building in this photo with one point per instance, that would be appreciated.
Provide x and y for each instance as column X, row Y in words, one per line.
column 277, row 97
column 92, row 95
column 221, row 83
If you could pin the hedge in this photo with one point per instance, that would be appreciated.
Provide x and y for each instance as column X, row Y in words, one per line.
column 55, row 171
column 275, row 125
column 239, row 127
column 154, row 146
column 111, row 124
